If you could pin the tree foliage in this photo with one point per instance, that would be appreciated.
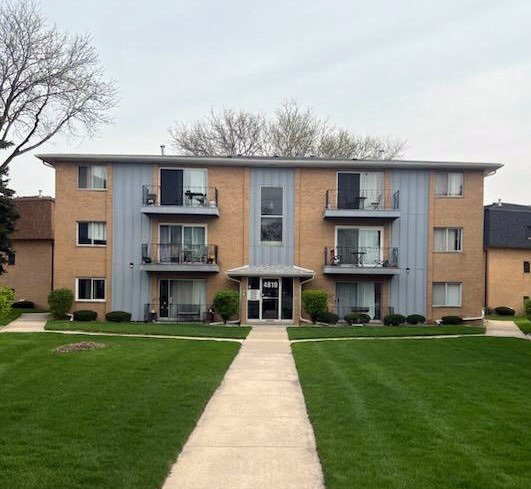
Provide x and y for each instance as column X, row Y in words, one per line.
column 292, row 131
column 226, row 303
column 50, row 81
column 315, row 303
column 8, row 217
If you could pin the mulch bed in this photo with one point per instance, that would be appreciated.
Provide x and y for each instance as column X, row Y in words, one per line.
column 81, row 346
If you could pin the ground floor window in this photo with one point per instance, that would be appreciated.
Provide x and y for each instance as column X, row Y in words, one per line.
column 90, row 289
column 270, row 298
column 182, row 300
column 446, row 294
column 363, row 297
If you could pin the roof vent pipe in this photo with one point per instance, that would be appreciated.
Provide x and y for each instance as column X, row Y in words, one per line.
column 162, row 149
column 499, row 203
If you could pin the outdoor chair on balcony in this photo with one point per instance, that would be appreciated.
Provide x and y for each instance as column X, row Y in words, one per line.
column 151, row 199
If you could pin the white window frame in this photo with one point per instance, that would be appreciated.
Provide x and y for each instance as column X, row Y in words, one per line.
column 88, row 244
column 447, row 229
column 184, row 224
column 370, row 228
column 97, row 189
column 446, row 284
column 446, row 196
column 91, row 289
column 276, row 216
column 183, row 170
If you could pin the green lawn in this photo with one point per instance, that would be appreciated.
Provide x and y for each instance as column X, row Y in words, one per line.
column 11, row 316
column 304, row 332
column 524, row 324
column 496, row 317
column 433, row 414
column 114, row 418
column 152, row 328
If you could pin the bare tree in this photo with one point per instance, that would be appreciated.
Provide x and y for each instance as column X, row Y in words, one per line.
column 293, row 131
column 50, row 82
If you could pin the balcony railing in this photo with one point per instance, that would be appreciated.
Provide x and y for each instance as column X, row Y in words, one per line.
column 365, row 199
column 187, row 197
column 179, row 254
column 167, row 311
column 361, row 257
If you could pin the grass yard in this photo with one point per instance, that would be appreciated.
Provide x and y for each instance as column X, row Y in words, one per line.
column 305, row 332
column 433, row 414
column 198, row 330
column 113, row 418
column 11, row 316
column 496, row 317
column 524, row 324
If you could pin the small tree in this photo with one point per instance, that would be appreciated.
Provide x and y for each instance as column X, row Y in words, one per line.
column 315, row 302
column 6, row 299
column 226, row 303
column 60, row 302
column 527, row 308
column 8, row 217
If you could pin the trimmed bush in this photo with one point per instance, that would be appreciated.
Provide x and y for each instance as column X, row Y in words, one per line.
column 315, row 302
column 416, row 319
column 226, row 303
column 85, row 315
column 394, row 319
column 452, row 320
column 7, row 295
column 357, row 318
column 328, row 317
column 118, row 316
column 504, row 311
column 60, row 302
column 23, row 305
column 527, row 308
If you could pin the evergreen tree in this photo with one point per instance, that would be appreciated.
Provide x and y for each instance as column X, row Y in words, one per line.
column 8, row 217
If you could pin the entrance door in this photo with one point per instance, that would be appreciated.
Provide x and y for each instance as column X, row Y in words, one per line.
column 171, row 187
column 270, row 298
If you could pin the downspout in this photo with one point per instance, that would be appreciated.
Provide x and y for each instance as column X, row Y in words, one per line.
column 301, row 319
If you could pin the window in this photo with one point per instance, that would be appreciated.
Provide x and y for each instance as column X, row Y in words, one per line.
column 90, row 289
column 449, row 184
column 179, row 243
column 448, row 239
column 271, row 211
column 360, row 190
column 92, row 233
column 527, row 267
column 446, row 294
column 11, row 258
column 92, row 177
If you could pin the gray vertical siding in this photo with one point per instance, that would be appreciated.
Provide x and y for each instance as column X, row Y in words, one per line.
column 272, row 255
column 130, row 228
column 410, row 235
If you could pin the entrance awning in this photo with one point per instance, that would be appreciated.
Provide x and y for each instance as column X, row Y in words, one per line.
column 270, row 271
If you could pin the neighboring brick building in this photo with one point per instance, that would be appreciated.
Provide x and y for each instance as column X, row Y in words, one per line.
column 508, row 255
column 162, row 233
column 30, row 269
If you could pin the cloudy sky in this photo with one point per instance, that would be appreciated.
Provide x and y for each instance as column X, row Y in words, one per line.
column 452, row 77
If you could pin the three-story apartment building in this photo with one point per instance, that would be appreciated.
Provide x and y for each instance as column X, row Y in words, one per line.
column 158, row 235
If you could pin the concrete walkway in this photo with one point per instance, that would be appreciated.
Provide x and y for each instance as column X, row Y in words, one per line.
column 254, row 432
column 504, row 329
column 27, row 323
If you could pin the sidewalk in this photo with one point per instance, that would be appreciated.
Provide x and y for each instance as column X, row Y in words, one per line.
column 255, row 432
column 27, row 323
column 503, row 329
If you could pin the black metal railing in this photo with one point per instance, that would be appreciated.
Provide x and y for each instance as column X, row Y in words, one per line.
column 364, row 199
column 179, row 254
column 180, row 313
column 360, row 256
column 186, row 196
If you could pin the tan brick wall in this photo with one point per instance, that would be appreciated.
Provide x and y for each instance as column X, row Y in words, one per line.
column 507, row 284
column 468, row 266
column 73, row 261
column 31, row 275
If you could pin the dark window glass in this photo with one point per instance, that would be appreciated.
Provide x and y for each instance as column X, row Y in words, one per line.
column 98, row 289
column 254, row 283
column 83, row 233
column 528, row 232
column 271, row 201
column 287, row 298
column 84, row 288
column 83, row 177
column 526, row 267
column 377, row 300
column 11, row 259
column 253, row 309
column 271, row 229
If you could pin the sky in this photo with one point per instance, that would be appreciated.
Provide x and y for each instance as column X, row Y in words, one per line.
column 452, row 78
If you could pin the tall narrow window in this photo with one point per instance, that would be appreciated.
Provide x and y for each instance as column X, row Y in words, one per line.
column 271, row 215
column 527, row 267
column 448, row 239
column 90, row 289
column 446, row 294
column 449, row 184
column 92, row 233
column 92, row 177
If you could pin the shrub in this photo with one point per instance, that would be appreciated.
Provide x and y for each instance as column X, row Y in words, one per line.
column 85, row 315
column 394, row 319
column 23, row 305
column 226, row 303
column 504, row 311
column 118, row 316
column 527, row 308
column 357, row 318
column 416, row 319
column 328, row 317
column 7, row 295
column 60, row 302
column 315, row 302
column 452, row 320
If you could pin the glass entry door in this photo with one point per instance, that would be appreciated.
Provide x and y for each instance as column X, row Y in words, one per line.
column 270, row 298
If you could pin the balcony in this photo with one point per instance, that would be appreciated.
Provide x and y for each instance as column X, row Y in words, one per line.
column 158, row 257
column 168, row 311
column 361, row 261
column 375, row 204
column 189, row 201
